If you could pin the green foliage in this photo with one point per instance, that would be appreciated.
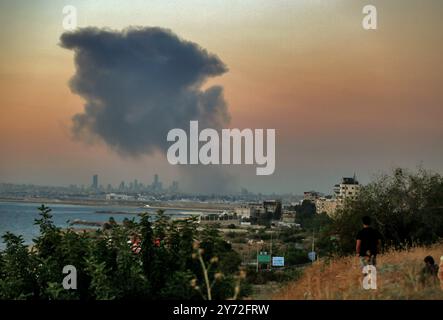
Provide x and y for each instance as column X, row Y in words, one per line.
column 291, row 235
column 264, row 219
column 295, row 256
column 110, row 265
column 17, row 277
column 407, row 209
column 259, row 234
column 274, row 275
column 177, row 287
column 307, row 217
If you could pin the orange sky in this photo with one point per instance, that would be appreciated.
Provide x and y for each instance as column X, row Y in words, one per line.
column 342, row 99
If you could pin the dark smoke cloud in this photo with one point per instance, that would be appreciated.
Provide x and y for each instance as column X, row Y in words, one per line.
column 139, row 83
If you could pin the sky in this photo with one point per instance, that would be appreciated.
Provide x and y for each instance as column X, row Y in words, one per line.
column 342, row 99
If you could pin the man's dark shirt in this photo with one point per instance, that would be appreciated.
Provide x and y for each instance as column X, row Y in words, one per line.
column 369, row 240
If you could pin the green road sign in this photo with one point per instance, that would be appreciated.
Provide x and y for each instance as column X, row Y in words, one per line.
column 264, row 258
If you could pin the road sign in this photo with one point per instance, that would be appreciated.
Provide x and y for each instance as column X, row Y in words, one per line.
column 264, row 258
column 278, row 261
column 312, row 255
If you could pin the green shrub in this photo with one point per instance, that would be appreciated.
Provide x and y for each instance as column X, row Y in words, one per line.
column 109, row 268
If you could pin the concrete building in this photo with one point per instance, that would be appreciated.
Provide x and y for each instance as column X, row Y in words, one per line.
column 273, row 206
column 326, row 205
column 174, row 187
column 311, row 196
column 288, row 217
column 156, row 185
column 244, row 211
column 94, row 182
column 114, row 196
column 347, row 189
column 255, row 211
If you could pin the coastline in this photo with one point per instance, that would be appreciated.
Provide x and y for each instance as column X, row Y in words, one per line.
column 189, row 206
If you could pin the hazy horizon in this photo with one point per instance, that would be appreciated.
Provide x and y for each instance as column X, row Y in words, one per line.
column 342, row 99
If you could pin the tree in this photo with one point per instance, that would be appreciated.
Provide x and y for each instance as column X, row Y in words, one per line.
column 109, row 266
column 406, row 207
column 305, row 213
column 17, row 266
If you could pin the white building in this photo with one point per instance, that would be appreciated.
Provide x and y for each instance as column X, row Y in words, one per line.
column 243, row 212
column 347, row 189
column 115, row 196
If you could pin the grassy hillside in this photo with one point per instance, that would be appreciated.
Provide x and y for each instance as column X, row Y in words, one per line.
column 398, row 277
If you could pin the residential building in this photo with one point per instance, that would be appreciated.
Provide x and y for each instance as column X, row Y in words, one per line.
column 326, row 205
column 347, row 189
column 311, row 196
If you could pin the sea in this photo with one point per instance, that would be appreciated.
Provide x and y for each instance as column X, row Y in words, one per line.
column 19, row 217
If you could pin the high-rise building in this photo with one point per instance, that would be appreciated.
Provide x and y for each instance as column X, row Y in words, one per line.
column 156, row 185
column 174, row 187
column 347, row 189
column 95, row 182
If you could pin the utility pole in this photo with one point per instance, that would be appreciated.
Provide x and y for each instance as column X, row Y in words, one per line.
column 257, row 255
column 313, row 243
column 270, row 264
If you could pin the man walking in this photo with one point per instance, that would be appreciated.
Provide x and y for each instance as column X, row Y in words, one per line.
column 368, row 243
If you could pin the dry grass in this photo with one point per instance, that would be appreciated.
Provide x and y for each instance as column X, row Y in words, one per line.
column 341, row 278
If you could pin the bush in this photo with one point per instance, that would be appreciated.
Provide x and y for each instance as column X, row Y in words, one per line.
column 164, row 266
column 296, row 256
column 274, row 275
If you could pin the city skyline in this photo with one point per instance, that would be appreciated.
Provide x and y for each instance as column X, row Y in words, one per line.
column 156, row 185
column 341, row 99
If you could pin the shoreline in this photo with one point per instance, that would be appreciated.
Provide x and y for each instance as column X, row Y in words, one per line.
column 192, row 206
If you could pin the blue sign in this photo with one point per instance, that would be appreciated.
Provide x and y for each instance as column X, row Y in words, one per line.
column 312, row 255
column 278, row 261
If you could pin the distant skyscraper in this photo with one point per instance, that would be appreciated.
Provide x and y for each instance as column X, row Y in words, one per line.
column 156, row 185
column 95, row 182
column 174, row 187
